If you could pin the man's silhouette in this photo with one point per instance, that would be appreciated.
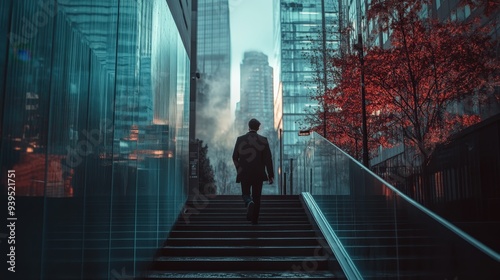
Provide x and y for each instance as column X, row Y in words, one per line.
column 252, row 158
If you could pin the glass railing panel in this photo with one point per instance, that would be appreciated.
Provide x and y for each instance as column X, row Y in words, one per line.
column 386, row 234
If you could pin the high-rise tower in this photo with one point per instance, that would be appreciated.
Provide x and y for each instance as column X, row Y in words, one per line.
column 256, row 93
column 214, row 67
column 306, row 26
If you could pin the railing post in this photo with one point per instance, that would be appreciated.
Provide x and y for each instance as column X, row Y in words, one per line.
column 284, row 183
column 310, row 180
column 291, row 176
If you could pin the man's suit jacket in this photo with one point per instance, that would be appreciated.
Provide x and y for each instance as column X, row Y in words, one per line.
column 252, row 158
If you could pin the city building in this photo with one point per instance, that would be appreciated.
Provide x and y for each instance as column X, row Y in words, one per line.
column 212, row 70
column 256, row 92
column 306, row 27
column 213, row 107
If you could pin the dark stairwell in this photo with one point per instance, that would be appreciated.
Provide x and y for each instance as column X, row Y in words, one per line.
column 213, row 239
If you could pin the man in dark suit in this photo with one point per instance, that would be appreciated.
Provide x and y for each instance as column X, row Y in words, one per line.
column 252, row 158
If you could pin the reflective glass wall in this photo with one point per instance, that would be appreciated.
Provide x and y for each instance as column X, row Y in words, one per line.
column 301, row 25
column 94, row 125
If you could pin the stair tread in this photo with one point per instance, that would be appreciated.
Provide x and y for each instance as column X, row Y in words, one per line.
column 243, row 238
column 239, row 258
column 242, row 215
column 284, row 231
column 241, row 274
column 237, row 247
column 243, row 233
column 244, row 223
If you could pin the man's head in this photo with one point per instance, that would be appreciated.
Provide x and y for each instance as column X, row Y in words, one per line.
column 254, row 124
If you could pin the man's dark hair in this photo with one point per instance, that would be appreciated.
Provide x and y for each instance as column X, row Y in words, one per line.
column 254, row 124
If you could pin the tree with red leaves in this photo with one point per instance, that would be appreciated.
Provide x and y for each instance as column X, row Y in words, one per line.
column 343, row 111
column 489, row 6
column 339, row 106
column 412, row 86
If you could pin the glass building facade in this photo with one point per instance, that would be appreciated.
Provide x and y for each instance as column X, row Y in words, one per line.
column 301, row 25
column 94, row 123
column 213, row 92
column 214, row 66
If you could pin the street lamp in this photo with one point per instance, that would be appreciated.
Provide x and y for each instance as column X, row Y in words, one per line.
column 359, row 48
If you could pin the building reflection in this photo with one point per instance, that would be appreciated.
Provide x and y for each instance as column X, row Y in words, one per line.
column 94, row 121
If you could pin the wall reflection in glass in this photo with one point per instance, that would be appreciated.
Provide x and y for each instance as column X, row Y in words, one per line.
column 94, row 98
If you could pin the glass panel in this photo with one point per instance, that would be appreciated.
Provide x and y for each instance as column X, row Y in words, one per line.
column 94, row 121
column 5, row 12
column 387, row 234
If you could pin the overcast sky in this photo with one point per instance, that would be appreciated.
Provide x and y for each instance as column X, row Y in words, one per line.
column 251, row 29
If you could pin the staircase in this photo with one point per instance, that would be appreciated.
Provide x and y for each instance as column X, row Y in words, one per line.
column 213, row 239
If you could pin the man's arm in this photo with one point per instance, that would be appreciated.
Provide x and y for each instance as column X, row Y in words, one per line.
column 268, row 161
column 236, row 155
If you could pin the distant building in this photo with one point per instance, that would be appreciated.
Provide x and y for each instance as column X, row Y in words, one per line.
column 238, row 122
column 256, row 93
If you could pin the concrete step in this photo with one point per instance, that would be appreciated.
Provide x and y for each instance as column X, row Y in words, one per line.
column 242, row 233
column 239, row 241
column 240, row 251
column 237, row 217
column 239, row 263
column 241, row 204
column 243, row 226
column 241, row 209
column 252, row 274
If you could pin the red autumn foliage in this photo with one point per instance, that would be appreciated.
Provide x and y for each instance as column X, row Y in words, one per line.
column 413, row 85
column 489, row 6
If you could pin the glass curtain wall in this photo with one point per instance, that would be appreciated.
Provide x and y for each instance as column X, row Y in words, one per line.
column 302, row 25
column 94, row 124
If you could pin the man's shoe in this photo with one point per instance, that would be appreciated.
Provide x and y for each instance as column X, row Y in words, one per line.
column 250, row 208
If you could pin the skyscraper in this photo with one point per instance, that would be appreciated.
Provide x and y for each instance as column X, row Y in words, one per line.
column 214, row 67
column 256, row 92
column 306, row 27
